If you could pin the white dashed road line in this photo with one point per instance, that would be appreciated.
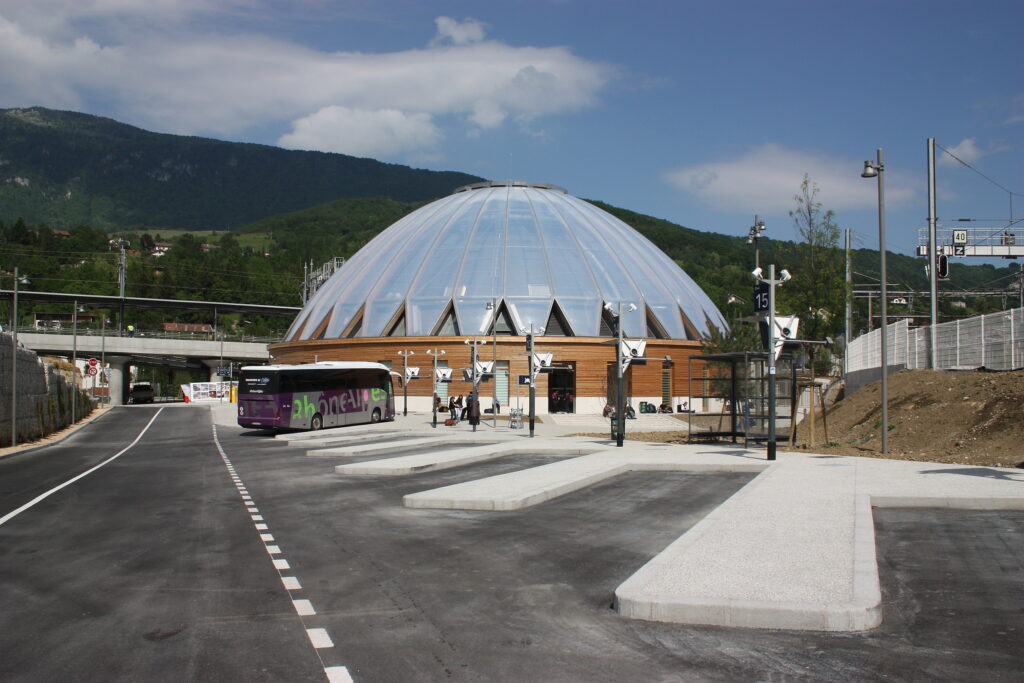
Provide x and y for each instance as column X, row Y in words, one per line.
column 14, row 513
column 319, row 638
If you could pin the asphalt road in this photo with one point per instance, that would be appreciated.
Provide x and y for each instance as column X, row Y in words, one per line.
column 152, row 568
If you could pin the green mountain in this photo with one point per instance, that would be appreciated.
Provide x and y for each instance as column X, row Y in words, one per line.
column 66, row 168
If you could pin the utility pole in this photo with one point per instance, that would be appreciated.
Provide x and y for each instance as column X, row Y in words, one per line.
column 533, row 379
column 933, row 276
column 405, row 380
column 74, row 359
column 433, row 399
column 848, row 326
column 475, row 405
column 772, row 282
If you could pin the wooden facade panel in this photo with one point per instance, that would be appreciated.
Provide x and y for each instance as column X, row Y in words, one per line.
column 590, row 356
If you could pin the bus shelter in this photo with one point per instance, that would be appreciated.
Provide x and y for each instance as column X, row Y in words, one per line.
column 731, row 397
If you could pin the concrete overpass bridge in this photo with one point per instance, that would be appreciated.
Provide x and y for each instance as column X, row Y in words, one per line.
column 121, row 352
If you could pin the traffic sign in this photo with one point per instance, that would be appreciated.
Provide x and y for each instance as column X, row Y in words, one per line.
column 959, row 237
column 93, row 362
column 761, row 296
column 959, row 250
column 524, row 380
column 91, row 370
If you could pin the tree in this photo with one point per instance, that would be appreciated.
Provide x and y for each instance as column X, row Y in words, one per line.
column 818, row 290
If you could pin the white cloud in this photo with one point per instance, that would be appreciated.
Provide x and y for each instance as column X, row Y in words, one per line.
column 966, row 150
column 168, row 75
column 362, row 132
column 458, row 33
column 765, row 180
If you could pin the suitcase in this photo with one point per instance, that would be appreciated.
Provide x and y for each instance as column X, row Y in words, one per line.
column 449, row 422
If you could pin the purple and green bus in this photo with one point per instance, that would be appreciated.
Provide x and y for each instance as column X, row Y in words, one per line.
column 314, row 395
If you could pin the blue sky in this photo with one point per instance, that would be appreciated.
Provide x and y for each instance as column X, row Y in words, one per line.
column 704, row 113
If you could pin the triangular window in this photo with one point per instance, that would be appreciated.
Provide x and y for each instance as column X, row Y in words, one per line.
column 398, row 327
column 449, row 326
column 354, row 327
column 607, row 324
column 557, row 325
column 503, row 322
column 654, row 328
column 318, row 333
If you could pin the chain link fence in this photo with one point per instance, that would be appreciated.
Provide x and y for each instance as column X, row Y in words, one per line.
column 993, row 342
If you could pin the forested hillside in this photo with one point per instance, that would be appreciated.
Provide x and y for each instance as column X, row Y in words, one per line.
column 66, row 169
column 262, row 262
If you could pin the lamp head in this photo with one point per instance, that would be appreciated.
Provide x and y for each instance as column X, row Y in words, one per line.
column 757, row 272
column 785, row 276
column 630, row 308
column 870, row 170
column 608, row 307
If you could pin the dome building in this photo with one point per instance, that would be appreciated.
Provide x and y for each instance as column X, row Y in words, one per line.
column 493, row 261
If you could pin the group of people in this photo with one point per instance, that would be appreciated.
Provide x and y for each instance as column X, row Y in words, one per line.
column 609, row 411
column 561, row 401
column 459, row 408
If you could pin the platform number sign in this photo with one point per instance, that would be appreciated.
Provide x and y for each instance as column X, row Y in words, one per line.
column 959, row 237
column 761, row 297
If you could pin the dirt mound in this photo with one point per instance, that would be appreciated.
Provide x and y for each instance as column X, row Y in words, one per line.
column 972, row 417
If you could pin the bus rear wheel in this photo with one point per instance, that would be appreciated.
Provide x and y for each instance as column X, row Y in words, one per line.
column 375, row 416
column 316, row 423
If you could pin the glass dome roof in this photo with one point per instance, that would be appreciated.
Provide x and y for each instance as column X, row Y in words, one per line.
column 547, row 259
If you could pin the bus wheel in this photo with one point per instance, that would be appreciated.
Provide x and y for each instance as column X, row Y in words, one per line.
column 316, row 423
column 375, row 417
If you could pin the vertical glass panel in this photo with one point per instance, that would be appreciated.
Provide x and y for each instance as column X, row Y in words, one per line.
column 583, row 314
column 526, row 268
column 474, row 318
column 614, row 281
column 421, row 315
column 525, row 311
column 403, row 260
column 570, row 274
column 482, row 271
column 434, row 284
column 639, row 258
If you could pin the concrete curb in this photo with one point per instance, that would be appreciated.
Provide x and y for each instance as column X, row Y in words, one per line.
column 861, row 613
column 432, row 462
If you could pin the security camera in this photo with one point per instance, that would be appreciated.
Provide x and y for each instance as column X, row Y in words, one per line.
column 608, row 306
column 631, row 308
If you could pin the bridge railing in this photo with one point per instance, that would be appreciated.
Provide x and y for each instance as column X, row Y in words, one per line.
column 154, row 334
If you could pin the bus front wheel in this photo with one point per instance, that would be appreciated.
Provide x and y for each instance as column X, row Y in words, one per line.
column 316, row 423
column 375, row 417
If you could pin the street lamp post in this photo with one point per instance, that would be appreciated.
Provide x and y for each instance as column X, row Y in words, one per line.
column 877, row 170
column 771, row 282
column 475, row 405
column 492, row 306
column 752, row 238
column 405, row 380
column 433, row 399
column 620, row 398
column 14, row 357
column 74, row 358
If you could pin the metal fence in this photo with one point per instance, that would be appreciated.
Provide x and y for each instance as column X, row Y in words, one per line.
column 994, row 341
